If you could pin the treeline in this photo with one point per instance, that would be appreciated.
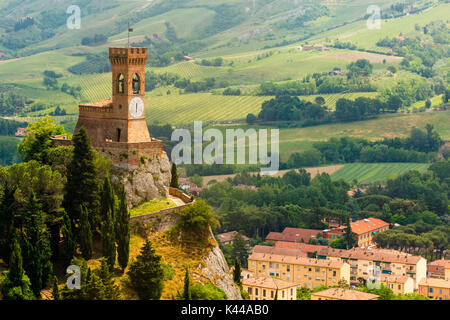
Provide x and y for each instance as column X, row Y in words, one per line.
column 11, row 103
column 420, row 146
column 308, row 14
column 94, row 40
column 295, row 200
column 50, row 81
column 354, row 80
column 94, row 63
column 287, row 108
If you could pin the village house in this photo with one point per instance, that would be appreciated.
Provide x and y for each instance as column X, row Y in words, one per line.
column 439, row 269
column 438, row 289
column 228, row 237
column 266, row 288
column 342, row 294
column 21, row 132
column 389, row 261
column 398, row 284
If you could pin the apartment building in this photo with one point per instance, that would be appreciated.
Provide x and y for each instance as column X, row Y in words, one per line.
column 398, row 284
column 300, row 270
column 293, row 235
column 365, row 231
column 267, row 288
column 363, row 263
column 439, row 269
column 438, row 289
column 342, row 294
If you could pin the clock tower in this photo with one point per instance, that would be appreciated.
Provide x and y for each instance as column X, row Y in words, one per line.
column 117, row 127
column 128, row 93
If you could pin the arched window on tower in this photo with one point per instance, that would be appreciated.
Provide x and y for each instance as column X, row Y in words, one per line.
column 136, row 84
column 121, row 84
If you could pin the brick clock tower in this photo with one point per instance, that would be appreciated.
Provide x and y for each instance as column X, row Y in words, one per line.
column 117, row 126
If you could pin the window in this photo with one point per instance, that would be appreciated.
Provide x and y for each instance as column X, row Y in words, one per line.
column 136, row 84
column 121, row 85
column 334, row 273
column 271, row 294
column 277, row 266
column 118, row 134
column 264, row 292
column 288, row 268
column 249, row 290
column 256, row 291
column 430, row 290
column 271, row 265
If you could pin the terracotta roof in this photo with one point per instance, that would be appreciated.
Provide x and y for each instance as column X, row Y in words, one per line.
column 229, row 236
column 269, row 257
column 433, row 282
column 372, row 255
column 293, row 235
column 268, row 283
column 393, row 278
column 292, row 252
column 306, row 247
column 367, row 225
column 440, row 263
column 345, row 294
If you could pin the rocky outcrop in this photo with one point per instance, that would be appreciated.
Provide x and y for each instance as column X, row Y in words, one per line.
column 216, row 269
column 149, row 181
column 213, row 267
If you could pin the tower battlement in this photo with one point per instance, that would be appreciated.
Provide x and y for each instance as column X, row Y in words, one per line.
column 121, row 56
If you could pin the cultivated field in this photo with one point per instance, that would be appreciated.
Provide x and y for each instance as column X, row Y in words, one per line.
column 375, row 172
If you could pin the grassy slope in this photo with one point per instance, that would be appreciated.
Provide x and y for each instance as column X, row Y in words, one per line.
column 375, row 172
column 152, row 206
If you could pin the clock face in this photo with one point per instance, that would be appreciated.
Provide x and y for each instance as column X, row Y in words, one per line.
column 136, row 107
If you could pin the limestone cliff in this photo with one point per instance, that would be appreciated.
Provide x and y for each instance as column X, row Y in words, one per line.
column 149, row 181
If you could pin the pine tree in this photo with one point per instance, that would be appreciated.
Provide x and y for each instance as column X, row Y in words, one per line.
column 187, row 286
column 85, row 234
column 174, row 181
column 109, row 240
column 110, row 290
column 349, row 235
column 146, row 274
column 237, row 271
column 240, row 249
column 123, row 231
column 82, row 187
column 55, row 289
column 16, row 285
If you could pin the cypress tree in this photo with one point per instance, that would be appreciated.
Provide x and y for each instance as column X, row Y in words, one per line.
column 107, row 199
column 187, row 286
column 69, row 243
column 16, row 285
column 146, row 274
column 85, row 234
column 174, row 181
column 36, row 243
column 123, row 231
column 109, row 240
column 82, row 187
column 237, row 271
column 55, row 289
